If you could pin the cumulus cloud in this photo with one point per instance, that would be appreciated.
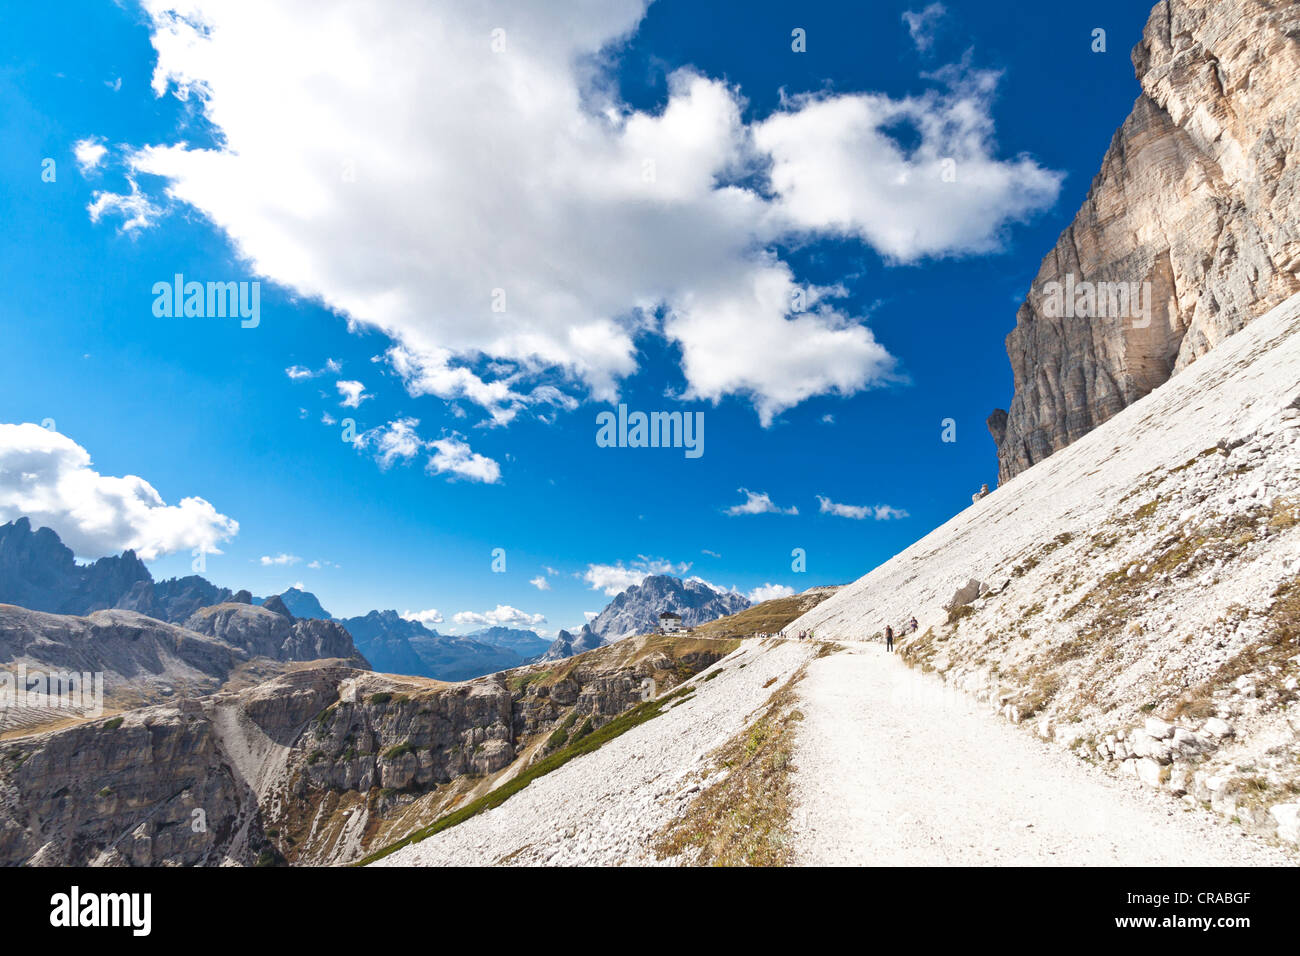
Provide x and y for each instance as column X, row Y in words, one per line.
column 453, row 456
column 615, row 578
column 48, row 477
column 502, row 616
column 573, row 221
column 89, row 153
column 859, row 512
column 838, row 170
column 396, row 441
column 766, row 592
column 540, row 583
column 430, row 616
column 268, row 560
column 759, row 503
column 353, row 393
column 922, row 25
column 399, row 441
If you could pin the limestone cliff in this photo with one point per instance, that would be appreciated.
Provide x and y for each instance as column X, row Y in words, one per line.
column 1195, row 212
column 314, row 766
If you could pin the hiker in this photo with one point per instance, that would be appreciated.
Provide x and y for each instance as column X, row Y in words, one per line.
column 912, row 625
column 889, row 639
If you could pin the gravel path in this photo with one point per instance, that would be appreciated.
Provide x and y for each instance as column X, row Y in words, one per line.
column 895, row 768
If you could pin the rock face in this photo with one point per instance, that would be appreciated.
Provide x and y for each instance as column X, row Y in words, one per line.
column 301, row 603
column 128, row 648
column 262, row 632
column 567, row 644
column 38, row 571
column 1195, row 216
column 315, row 766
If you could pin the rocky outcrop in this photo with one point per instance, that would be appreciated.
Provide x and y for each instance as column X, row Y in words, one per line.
column 300, row 603
column 174, row 599
column 568, row 644
column 261, row 631
column 1189, row 231
column 134, row 652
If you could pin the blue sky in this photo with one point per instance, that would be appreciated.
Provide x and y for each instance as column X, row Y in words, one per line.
column 524, row 169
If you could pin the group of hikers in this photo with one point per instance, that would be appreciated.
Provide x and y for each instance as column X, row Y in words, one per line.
column 908, row 628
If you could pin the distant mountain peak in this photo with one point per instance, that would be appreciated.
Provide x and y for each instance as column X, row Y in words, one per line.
column 636, row 610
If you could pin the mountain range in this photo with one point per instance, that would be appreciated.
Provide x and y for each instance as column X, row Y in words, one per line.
column 38, row 572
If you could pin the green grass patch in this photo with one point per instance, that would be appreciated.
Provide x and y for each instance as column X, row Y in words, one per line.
column 405, row 747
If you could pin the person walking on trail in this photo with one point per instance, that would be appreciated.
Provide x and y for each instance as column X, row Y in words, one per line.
column 889, row 639
column 912, row 626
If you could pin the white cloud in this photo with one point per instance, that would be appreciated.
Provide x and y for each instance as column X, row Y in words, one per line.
column 615, row 578
column 885, row 512
column 327, row 419
column 430, row 616
column 837, row 170
column 767, row 592
column 48, row 477
column 712, row 554
column 828, row 419
column 301, row 372
column 922, row 24
column 502, row 616
column 540, row 583
column 353, row 393
column 453, row 456
column 89, row 153
column 396, row 441
column 859, row 512
column 136, row 209
column 573, row 218
column 759, row 503
column 268, row 560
